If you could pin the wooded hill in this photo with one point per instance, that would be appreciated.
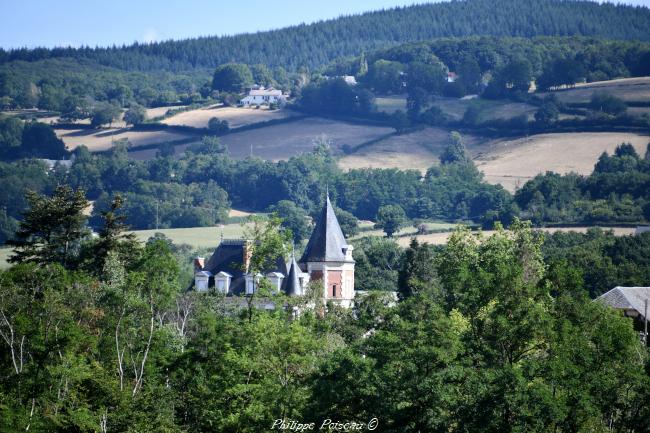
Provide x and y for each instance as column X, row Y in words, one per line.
column 316, row 44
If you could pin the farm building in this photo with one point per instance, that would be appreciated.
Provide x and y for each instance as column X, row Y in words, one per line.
column 327, row 259
column 262, row 96
column 632, row 302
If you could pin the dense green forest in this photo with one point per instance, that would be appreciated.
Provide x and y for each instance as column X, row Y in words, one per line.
column 491, row 335
column 158, row 74
column 316, row 44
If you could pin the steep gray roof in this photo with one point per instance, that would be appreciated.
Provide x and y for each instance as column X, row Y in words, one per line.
column 327, row 241
column 629, row 298
column 292, row 283
column 229, row 257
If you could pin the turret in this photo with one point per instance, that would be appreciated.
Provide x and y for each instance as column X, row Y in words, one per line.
column 328, row 257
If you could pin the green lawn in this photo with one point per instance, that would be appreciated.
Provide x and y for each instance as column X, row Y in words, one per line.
column 391, row 104
column 199, row 237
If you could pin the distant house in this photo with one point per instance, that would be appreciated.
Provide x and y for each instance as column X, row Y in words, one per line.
column 262, row 96
column 350, row 79
column 632, row 302
column 451, row 77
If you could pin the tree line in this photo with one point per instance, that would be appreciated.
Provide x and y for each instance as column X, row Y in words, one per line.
column 198, row 188
column 325, row 41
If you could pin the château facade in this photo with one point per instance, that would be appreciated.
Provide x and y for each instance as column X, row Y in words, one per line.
column 327, row 260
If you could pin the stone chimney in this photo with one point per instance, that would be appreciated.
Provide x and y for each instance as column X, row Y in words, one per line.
column 248, row 253
column 199, row 262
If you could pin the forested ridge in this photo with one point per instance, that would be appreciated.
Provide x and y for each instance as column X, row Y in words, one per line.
column 312, row 45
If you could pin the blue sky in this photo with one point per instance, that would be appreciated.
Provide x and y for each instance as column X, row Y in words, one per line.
column 30, row 23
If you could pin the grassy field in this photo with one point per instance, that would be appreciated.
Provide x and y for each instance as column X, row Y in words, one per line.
column 418, row 150
column 102, row 139
column 489, row 109
column 512, row 162
column 455, row 108
column 441, row 238
column 390, row 104
column 406, row 232
column 628, row 89
column 236, row 116
column 161, row 111
column 198, row 237
column 280, row 142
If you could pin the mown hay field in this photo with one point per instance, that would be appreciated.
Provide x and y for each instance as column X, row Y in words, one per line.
column 103, row 139
column 512, row 162
column 235, row 116
column 282, row 141
column 417, row 150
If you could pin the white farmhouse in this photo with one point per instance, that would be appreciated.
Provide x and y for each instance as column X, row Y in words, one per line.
column 262, row 96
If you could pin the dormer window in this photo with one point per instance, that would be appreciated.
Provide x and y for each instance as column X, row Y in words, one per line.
column 276, row 280
column 201, row 280
column 251, row 283
column 222, row 282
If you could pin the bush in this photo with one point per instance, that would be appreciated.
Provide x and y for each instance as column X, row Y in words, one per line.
column 217, row 126
column 606, row 103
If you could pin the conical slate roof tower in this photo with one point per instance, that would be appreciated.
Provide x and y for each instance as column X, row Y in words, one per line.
column 327, row 243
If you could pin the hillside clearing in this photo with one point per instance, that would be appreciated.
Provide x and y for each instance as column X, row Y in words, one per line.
column 628, row 89
column 512, row 162
column 103, row 139
column 282, row 141
column 235, row 116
